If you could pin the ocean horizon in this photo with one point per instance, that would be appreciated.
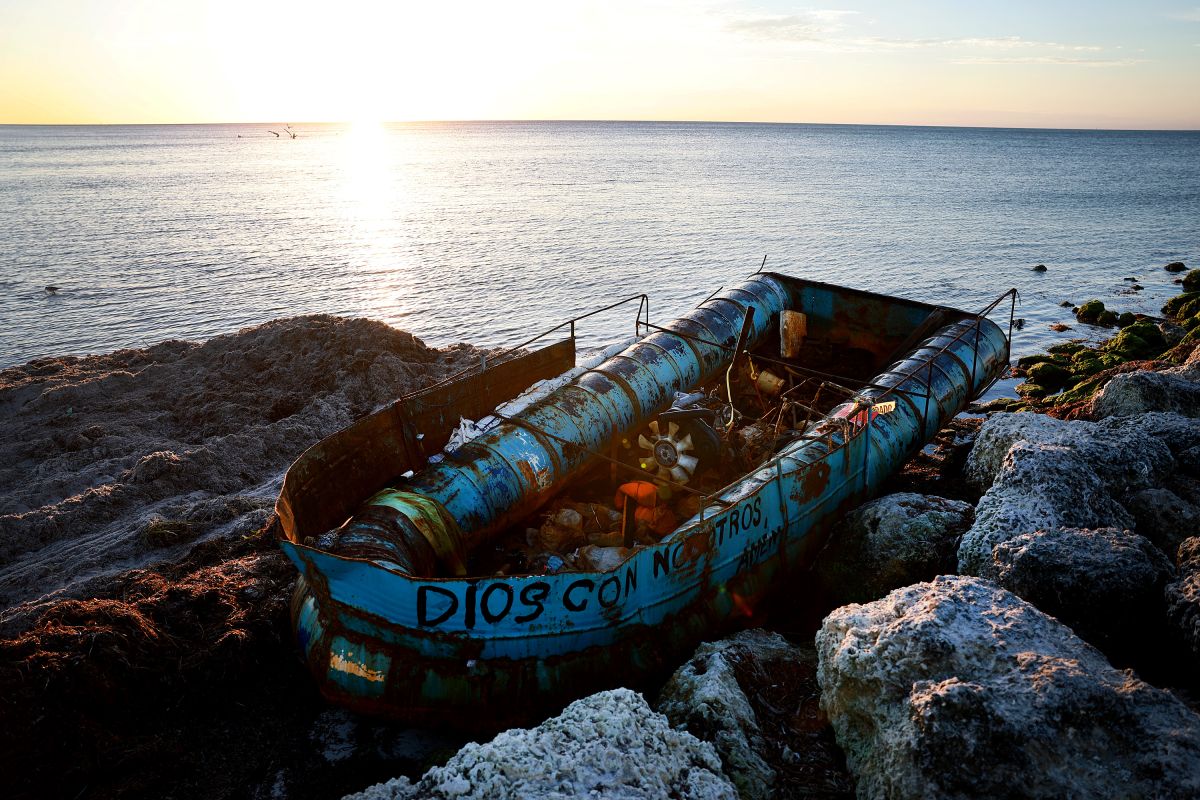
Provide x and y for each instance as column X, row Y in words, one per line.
column 488, row 231
column 348, row 123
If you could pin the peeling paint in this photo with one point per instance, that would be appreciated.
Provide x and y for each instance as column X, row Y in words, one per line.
column 520, row 644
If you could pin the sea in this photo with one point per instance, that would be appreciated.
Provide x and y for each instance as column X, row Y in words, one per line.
column 492, row 232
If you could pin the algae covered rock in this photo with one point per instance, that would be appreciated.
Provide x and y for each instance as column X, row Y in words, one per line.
column 1090, row 311
column 1191, row 281
column 891, row 542
column 1086, row 363
column 1050, row 375
column 609, row 744
column 1106, row 584
column 1137, row 341
column 1066, row 349
column 959, row 689
column 1184, row 305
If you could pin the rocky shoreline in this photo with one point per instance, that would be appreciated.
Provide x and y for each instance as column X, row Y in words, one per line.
column 1024, row 600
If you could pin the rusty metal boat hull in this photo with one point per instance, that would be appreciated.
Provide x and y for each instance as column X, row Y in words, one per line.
column 500, row 650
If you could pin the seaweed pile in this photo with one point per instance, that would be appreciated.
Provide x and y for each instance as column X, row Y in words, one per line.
column 145, row 648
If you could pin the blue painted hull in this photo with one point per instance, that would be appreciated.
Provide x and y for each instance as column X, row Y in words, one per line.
column 435, row 649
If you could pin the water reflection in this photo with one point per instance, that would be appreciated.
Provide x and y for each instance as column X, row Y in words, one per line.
column 375, row 199
column 481, row 231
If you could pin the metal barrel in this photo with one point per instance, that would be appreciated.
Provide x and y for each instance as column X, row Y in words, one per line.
column 497, row 479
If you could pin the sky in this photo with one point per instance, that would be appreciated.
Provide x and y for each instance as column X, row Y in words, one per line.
column 978, row 63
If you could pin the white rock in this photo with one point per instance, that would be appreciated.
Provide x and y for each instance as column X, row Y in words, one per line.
column 1047, row 473
column 1001, row 431
column 1134, row 393
column 1039, row 486
column 890, row 542
column 959, row 689
column 396, row 789
column 704, row 698
column 608, row 745
column 1128, row 454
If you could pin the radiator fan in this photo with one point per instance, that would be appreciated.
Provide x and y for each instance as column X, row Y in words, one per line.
column 668, row 454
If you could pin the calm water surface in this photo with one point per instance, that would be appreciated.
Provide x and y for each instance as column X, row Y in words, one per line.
column 483, row 231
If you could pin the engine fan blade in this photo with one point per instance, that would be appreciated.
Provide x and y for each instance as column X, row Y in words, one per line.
column 654, row 428
column 672, row 429
column 688, row 463
column 684, row 444
column 679, row 474
column 645, row 443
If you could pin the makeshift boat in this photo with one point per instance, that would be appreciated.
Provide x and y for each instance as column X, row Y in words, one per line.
column 411, row 604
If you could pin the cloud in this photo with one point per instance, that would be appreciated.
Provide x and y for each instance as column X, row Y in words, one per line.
column 1079, row 62
column 1187, row 16
column 805, row 26
column 824, row 30
column 985, row 43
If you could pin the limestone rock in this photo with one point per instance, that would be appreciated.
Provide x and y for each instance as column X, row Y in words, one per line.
column 1141, row 392
column 1189, row 461
column 1164, row 517
column 704, row 698
column 1175, row 432
column 609, row 744
column 396, row 789
column 1049, row 473
column 1127, row 454
column 959, row 689
column 1039, row 486
column 1000, row 432
column 891, row 542
column 750, row 696
column 1183, row 596
column 1106, row 584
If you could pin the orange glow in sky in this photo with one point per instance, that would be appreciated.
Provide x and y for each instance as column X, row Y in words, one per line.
column 1105, row 64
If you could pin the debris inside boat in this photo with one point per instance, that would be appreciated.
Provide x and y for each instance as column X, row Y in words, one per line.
column 638, row 495
column 537, row 530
